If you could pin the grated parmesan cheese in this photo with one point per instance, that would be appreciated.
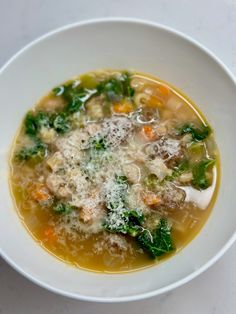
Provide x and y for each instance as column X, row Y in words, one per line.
column 166, row 148
column 72, row 145
column 116, row 130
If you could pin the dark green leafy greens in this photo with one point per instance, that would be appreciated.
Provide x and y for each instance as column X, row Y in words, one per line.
column 157, row 242
column 116, row 88
column 62, row 208
column 120, row 219
column 33, row 123
column 126, row 222
column 60, row 122
column 134, row 220
column 75, row 97
column 198, row 134
column 182, row 167
column 58, row 91
column 199, row 169
column 36, row 152
column 121, row 179
column 200, row 180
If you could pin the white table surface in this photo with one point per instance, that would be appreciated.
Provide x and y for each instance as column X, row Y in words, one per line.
column 213, row 23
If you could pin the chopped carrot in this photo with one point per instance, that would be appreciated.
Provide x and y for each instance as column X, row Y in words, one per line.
column 164, row 91
column 123, row 107
column 148, row 132
column 154, row 102
column 49, row 234
column 40, row 193
column 151, row 198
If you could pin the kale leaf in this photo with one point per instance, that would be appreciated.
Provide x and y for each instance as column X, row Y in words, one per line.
column 120, row 219
column 30, row 125
column 135, row 218
column 36, row 152
column 199, row 169
column 182, row 167
column 62, row 208
column 116, row 88
column 126, row 222
column 60, row 122
column 33, row 123
column 198, row 134
column 121, row 179
column 74, row 96
column 158, row 242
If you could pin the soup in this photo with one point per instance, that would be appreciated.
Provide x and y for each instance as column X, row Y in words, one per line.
column 114, row 171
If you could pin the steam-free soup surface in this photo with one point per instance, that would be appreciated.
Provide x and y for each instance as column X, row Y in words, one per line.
column 113, row 171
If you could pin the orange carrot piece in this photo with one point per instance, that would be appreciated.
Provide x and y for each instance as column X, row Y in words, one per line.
column 154, row 102
column 164, row 91
column 124, row 107
column 151, row 198
column 148, row 132
column 40, row 193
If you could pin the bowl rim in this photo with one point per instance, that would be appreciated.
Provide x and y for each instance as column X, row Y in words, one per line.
column 195, row 273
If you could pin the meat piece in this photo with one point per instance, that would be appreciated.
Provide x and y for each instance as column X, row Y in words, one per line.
column 77, row 181
column 57, row 185
column 172, row 196
column 71, row 146
column 90, row 204
column 166, row 148
column 91, row 214
column 135, row 199
column 40, row 193
column 116, row 130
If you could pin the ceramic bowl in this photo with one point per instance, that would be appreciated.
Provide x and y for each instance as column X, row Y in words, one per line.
column 125, row 44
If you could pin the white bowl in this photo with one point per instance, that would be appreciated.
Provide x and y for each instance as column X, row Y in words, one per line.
column 118, row 43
